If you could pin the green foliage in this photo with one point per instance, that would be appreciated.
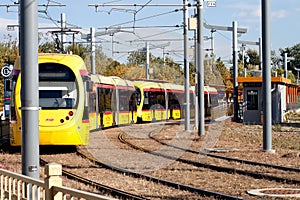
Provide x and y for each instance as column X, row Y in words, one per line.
column 47, row 47
column 251, row 59
column 137, row 58
column 78, row 49
column 294, row 52
column 225, row 74
column 8, row 54
column 8, row 51
column 101, row 60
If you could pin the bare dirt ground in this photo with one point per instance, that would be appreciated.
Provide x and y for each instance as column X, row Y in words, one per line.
column 246, row 141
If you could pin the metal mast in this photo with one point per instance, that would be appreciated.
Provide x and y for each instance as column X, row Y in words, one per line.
column 30, row 88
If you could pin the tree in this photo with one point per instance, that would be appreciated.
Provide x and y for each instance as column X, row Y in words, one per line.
column 294, row 52
column 137, row 58
column 9, row 51
column 47, row 47
column 251, row 59
column 78, row 49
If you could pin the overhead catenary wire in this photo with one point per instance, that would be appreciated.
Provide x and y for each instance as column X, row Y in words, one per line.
column 144, row 18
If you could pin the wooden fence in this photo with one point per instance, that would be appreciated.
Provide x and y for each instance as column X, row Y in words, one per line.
column 16, row 186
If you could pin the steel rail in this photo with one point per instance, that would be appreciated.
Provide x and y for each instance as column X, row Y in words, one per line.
column 215, row 167
column 175, row 185
column 280, row 167
column 113, row 191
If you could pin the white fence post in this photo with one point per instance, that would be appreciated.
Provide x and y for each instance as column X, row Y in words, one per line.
column 53, row 172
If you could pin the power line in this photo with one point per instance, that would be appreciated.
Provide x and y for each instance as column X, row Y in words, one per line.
column 148, row 17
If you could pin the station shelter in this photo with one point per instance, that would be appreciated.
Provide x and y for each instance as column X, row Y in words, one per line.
column 284, row 98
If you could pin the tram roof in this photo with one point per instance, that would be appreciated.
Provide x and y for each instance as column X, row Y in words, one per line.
column 121, row 82
column 75, row 62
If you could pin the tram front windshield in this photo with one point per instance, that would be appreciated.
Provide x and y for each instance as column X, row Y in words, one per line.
column 57, row 87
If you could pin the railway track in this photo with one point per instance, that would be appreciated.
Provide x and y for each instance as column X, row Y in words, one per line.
column 103, row 189
column 229, row 170
column 86, row 173
column 284, row 168
column 202, row 192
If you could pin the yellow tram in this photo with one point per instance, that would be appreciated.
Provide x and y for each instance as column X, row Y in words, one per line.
column 63, row 115
column 73, row 102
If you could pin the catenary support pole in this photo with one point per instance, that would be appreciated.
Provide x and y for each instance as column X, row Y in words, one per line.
column 200, row 67
column 93, row 49
column 63, row 28
column 235, row 71
column 186, row 67
column 196, row 126
column 285, row 64
column 267, row 103
column 260, row 54
column 147, row 60
column 30, row 88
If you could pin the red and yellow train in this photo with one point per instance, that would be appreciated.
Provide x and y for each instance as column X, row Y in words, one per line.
column 73, row 102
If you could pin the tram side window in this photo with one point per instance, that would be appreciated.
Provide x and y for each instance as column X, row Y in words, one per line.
column 101, row 100
column 138, row 96
column 132, row 101
column 252, row 100
column 206, row 100
column 173, row 101
column 104, row 102
column 160, row 99
column 146, row 99
column 92, row 102
column 13, row 115
column 214, row 100
column 152, row 98
column 124, row 100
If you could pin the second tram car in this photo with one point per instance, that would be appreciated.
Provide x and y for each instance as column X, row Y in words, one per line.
column 157, row 100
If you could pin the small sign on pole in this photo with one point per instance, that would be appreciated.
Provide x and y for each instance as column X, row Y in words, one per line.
column 211, row 4
column 6, row 70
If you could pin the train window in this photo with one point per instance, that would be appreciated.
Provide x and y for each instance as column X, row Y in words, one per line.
column 152, row 98
column 132, row 102
column 108, row 99
column 13, row 115
column 146, row 99
column 123, row 100
column 160, row 99
column 52, row 96
column 54, row 71
column 101, row 100
column 252, row 100
column 57, row 86
column 214, row 100
column 173, row 101
column 138, row 96
column 92, row 102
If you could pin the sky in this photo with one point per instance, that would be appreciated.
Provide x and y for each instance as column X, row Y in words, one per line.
column 159, row 23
